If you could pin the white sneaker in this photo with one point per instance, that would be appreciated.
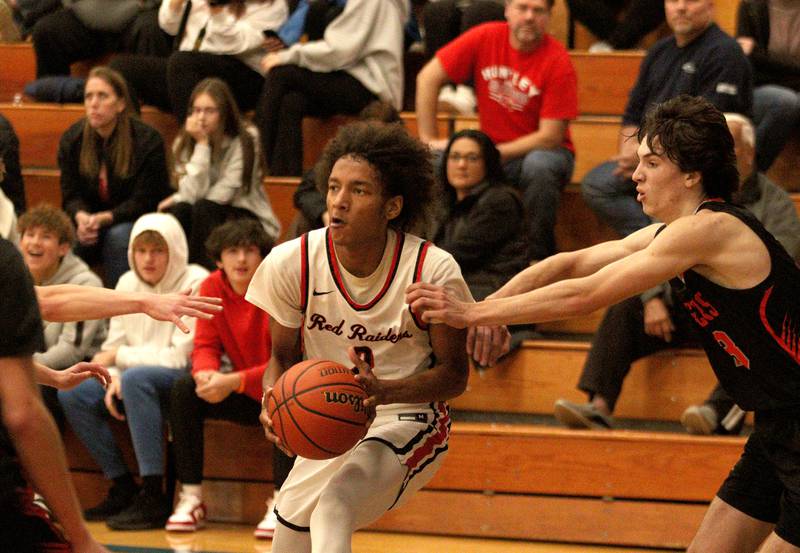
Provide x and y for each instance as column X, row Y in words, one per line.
column 601, row 47
column 189, row 515
column 460, row 99
column 266, row 528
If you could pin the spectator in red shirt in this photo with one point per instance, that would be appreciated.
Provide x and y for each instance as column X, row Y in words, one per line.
column 527, row 93
column 230, row 354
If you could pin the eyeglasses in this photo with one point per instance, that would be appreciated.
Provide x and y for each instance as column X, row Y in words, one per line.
column 206, row 111
column 469, row 158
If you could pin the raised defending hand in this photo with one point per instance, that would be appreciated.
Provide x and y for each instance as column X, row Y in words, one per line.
column 171, row 307
column 266, row 422
column 486, row 344
column 435, row 304
column 77, row 373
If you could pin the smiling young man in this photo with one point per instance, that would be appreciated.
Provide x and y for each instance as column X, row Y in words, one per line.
column 737, row 283
column 340, row 289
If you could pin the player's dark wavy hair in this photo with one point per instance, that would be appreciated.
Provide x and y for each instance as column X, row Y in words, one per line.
column 402, row 162
column 694, row 135
column 238, row 233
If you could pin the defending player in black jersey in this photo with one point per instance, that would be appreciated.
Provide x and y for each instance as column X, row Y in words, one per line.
column 738, row 284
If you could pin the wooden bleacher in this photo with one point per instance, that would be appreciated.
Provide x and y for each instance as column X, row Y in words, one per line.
column 635, row 488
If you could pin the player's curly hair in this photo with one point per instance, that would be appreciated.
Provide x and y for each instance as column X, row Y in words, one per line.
column 402, row 162
column 694, row 135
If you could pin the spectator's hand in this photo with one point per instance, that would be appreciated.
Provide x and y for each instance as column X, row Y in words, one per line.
column 87, row 234
column 626, row 165
column 273, row 44
column 435, row 304
column 114, row 394
column 77, row 373
column 266, row 422
column 201, row 377
column 269, row 61
column 166, row 203
column 171, row 307
column 486, row 344
column 106, row 357
column 218, row 386
column 657, row 321
column 436, row 144
column 194, row 127
column 747, row 43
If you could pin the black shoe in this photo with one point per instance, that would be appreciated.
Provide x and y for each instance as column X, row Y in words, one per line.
column 119, row 498
column 145, row 513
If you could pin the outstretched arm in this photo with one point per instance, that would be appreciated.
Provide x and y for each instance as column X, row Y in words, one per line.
column 72, row 376
column 678, row 248
column 70, row 302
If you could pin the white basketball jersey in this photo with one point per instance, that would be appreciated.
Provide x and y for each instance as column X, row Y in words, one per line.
column 302, row 283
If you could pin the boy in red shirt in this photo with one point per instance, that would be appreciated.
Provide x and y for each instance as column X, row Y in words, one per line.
column 230, row 354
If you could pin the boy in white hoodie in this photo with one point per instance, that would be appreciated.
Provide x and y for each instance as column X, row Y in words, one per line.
column 145, row 357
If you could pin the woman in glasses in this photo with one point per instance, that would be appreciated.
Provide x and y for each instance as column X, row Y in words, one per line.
column 218, row 169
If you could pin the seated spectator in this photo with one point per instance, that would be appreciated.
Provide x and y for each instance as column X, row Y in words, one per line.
column 527, row 94
column 699, row 59
column 46, row 237
column 113, row 170
column 767, row 33
column 359, row 60
column 145, row 357
column 88, row 29
column 223, row 40
column 230, row 355
column 309, row 201
column 618, row 24
column 218, row 169
column 643, row 325
column 483, row 226
column 484, row 223
column 10, row 172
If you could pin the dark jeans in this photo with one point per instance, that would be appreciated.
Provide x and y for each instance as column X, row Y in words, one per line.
column 199, row 220
column 601, row 17
column 619, row 342
column 291, row 93
column 188, row 413
column 59, row 39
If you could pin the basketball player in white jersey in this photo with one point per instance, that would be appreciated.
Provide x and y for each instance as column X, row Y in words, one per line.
column 337, row 293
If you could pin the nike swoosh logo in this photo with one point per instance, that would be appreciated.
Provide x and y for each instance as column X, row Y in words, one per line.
column 322, row 293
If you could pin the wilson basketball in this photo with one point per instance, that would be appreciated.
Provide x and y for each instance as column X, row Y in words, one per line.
column 317, row 409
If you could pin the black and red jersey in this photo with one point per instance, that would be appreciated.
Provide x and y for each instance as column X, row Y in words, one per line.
column 751, row 336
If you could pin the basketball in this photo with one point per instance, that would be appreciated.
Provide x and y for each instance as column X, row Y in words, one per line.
column 317, row 409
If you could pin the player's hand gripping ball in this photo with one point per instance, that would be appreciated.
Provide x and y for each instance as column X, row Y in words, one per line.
column 317, row 409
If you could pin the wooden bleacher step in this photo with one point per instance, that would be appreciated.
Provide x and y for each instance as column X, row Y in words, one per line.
column 511, row 481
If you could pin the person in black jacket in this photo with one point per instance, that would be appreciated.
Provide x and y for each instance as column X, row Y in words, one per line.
column 764, row 31
column 113, row 170
column 483, row 226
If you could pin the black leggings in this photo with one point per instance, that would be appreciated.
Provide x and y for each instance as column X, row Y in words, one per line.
column 292, row 92
column 187, row 414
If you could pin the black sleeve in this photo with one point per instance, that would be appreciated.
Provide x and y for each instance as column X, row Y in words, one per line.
column 637, row 99
column 494, row 219
column 308, row 199
column 71, row 181
column 150, row 183
column 21, row 324
column 12, row 184
column 727, row 80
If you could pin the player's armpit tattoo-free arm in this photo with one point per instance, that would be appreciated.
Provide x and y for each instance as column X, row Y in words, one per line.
column 69, row 302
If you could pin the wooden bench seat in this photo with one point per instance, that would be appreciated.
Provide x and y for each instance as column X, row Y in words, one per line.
column 501, row 480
